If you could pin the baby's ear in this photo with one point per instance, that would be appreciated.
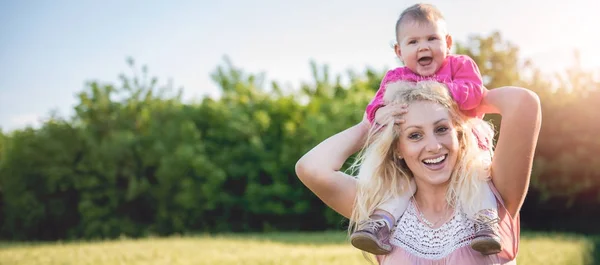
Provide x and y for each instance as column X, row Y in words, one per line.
column 449, row 42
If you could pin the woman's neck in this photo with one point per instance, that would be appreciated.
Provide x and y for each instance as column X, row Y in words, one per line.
column 431, row 198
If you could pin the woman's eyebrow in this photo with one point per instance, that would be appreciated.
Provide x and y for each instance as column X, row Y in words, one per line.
column 421, row 127
column 440, row 120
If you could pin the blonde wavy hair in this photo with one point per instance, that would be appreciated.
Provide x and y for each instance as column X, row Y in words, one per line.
column 382, row 175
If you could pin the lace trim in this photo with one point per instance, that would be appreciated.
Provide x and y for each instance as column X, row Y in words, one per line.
column 420, row 240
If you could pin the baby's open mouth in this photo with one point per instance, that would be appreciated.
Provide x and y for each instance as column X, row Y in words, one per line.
column 425, row 60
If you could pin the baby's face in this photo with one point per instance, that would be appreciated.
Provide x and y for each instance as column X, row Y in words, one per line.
column 423, row 46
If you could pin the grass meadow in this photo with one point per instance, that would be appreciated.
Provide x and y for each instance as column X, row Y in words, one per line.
column 317, row 248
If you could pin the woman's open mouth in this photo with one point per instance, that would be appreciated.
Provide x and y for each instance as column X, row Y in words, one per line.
column 435, row 163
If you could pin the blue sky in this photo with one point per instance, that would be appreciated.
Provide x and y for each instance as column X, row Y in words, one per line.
column 49, row 49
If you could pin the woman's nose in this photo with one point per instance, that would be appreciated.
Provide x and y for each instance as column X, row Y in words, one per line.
column 433, row 145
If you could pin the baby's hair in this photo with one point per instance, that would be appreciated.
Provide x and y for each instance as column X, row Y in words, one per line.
column 419, row 13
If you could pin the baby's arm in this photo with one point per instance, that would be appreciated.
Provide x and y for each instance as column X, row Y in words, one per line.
column 466, row 84
column 391, row 76
column 377, row 101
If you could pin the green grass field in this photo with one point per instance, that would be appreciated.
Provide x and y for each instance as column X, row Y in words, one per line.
column 329, row 248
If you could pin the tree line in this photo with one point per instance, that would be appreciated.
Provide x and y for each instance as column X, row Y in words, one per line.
column 137, row 160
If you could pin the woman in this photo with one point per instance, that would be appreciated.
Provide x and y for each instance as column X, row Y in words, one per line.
column 427, row 125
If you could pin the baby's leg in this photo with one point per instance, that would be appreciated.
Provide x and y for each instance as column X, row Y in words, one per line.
column 489, row 207
column 394, row 208
column 487, row 239
column 373, row 235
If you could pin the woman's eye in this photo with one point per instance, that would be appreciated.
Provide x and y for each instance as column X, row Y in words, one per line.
column 442, row 129
column 414, row 136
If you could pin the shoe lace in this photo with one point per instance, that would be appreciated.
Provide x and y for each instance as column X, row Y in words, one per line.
column 373, row 225
column 486, row 222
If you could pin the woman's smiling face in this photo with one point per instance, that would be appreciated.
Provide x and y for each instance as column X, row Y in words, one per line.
column 429, row 142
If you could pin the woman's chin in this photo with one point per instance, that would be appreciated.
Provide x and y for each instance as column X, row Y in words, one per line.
column 440, row 180
column 437, row 178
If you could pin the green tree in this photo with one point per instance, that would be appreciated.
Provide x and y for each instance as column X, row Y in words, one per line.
column 136, row 160
column 498, row 60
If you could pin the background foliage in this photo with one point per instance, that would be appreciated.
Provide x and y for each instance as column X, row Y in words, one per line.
column 136, row 160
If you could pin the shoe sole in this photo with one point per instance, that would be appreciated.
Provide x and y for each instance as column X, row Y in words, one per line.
column 486, row 246
column 369, row 244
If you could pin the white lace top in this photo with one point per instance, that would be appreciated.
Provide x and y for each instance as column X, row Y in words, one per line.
column 415, row 243
column 420, row 240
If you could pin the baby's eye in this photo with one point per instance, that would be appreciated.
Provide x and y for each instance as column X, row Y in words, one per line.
column 433, row 38
column 412, row 42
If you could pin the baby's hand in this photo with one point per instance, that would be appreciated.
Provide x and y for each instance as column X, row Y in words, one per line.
column 390, row 111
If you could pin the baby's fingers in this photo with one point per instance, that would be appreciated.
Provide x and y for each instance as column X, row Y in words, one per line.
column 400, row 109
column 399, row 121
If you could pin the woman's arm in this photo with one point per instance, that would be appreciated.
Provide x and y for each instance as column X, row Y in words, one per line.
column 319, row 168
column 513, row 157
